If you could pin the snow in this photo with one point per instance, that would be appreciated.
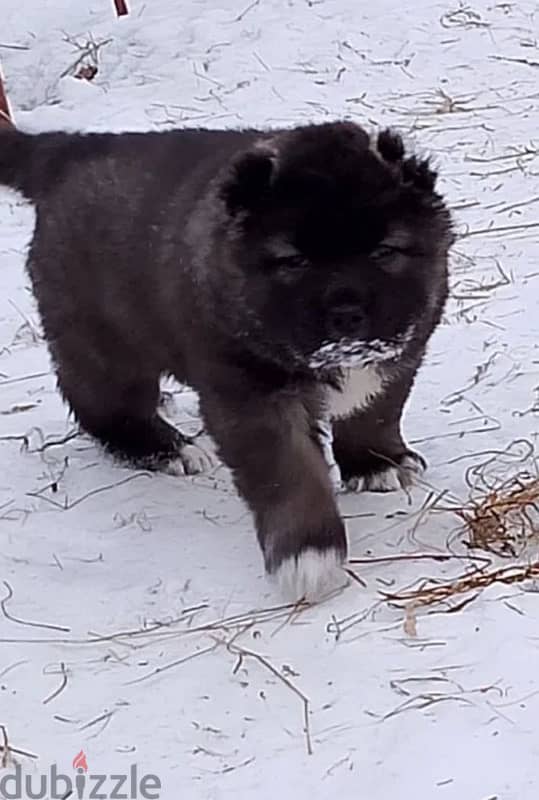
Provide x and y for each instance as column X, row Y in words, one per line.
column 175, row 653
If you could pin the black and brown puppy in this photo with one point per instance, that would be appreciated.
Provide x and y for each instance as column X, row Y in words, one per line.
column 291, row 277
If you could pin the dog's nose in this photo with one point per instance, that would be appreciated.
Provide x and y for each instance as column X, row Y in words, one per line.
column 346, row 316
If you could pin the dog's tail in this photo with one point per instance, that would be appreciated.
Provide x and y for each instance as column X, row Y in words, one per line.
column 32, row 162
column 17, row 160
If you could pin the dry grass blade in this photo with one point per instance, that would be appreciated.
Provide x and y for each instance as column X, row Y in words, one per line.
column 501, row 516
column 505, row 517
column 434, row 592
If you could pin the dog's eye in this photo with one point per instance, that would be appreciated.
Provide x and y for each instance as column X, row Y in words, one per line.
column 288, row 266
column 387, row 251
column 392, row 259
column 290, row 262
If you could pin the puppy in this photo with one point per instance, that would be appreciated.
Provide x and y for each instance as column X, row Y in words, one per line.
column 293, row 278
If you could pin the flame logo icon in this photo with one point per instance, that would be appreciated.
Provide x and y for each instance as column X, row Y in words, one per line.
column 79, row 762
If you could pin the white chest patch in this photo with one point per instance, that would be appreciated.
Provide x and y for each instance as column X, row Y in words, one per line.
column 360, row 387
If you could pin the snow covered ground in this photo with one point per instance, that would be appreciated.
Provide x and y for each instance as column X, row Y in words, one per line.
column 136, row 622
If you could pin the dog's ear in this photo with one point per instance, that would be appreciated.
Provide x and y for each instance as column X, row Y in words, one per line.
column 249, row 181
column 419, row 173
column 389, row 145
column 415, row 170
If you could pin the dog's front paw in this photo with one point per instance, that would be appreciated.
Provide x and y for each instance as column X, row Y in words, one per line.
column 311, row 575
column 191, row 460
column 388, row 474
column 307, row 565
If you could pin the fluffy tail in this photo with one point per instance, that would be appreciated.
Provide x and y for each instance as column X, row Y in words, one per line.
column 17, row 160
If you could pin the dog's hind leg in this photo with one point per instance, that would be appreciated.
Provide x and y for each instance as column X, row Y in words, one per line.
column 119, row 409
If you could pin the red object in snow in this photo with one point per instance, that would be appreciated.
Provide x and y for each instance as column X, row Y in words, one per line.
column 5, row 113
column 121, row 8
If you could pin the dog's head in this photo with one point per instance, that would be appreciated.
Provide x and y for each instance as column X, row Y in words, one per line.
column 340, row 242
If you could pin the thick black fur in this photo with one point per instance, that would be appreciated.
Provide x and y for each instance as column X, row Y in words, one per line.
column 231, row 260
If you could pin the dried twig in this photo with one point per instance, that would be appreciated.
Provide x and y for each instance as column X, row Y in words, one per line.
column 60, row 688
column 246, row 10
column 105, row 718
column 14, row 46
column 411, row 557
column 88, row 52
column 462, row 17
column 68, row 505
column 526, row 151
column 30, row 377
column 9, row 668
column 159, row 670
column 527, row 61
column 168, row 629
column 57, row 442
column 6, row 749
column 498, row 229
column 422, row 701
column 11, row 618
column 242, row 652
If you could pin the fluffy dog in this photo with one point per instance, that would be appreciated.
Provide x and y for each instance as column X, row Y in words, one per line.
column 292, row 277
